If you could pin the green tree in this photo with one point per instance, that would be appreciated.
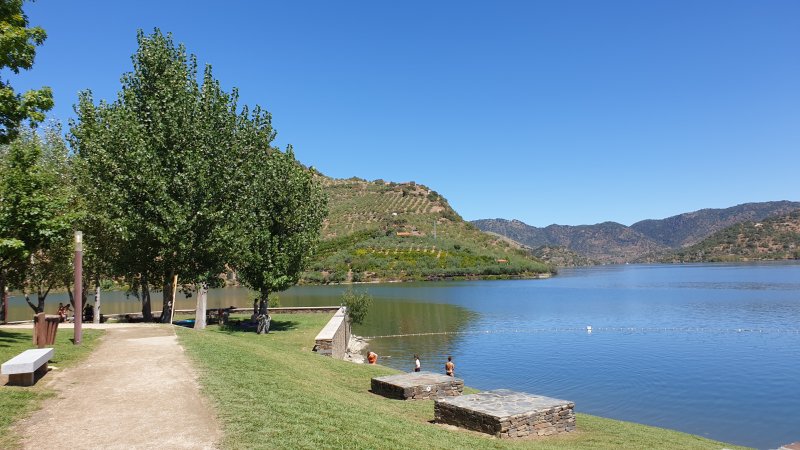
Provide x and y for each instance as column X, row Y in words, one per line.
column 17, row 51
column 282, row 228
column 168, row 166
column 37, row 214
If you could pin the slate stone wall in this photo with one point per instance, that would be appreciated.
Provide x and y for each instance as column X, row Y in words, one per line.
column 449, row 388
column 544, row 422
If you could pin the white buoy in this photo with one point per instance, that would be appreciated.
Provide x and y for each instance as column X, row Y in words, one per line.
column 589, row 329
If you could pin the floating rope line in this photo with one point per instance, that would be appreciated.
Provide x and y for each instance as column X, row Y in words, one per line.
column 591, row 330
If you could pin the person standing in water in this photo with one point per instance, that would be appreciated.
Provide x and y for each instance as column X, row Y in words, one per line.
column 417, row 366
column 450, row 367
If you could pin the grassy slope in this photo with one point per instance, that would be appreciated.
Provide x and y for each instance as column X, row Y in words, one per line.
column 360, row 235
column 273, row 392
column 17, row 402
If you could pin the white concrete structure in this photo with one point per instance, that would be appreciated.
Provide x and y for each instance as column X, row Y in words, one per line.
column 22, row 368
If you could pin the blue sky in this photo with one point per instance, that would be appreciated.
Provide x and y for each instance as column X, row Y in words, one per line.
column 569, row 112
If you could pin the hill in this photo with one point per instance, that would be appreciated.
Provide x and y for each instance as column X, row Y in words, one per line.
column 381, row 231
column 611, row 242
column 558, row 256
column 608, row 242
column 770, row 239
column 690, row 228
column 561, row 256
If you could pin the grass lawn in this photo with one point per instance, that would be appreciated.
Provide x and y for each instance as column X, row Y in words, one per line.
column 271, row 391
column 16, row 402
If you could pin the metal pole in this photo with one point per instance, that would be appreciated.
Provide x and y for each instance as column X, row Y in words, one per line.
column 78, row 287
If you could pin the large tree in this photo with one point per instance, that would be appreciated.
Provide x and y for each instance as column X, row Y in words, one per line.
column 285, row 216
column 17, row 51
column 37, row 214
column 169, row 163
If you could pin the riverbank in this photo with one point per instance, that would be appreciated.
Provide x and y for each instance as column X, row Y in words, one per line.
column 271, row 391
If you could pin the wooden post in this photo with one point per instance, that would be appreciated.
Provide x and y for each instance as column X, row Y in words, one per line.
column 200, row 313
column 38, row 321
column 174, row 291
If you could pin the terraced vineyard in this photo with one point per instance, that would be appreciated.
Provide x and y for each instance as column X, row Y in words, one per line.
column 405, row 231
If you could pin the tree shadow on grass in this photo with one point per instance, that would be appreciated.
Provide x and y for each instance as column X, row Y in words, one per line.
column 12, row 337
column 245, row 326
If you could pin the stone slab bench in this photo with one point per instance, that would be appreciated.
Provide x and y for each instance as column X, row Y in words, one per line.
column 417, row 386
column 507, row 414
column 25, row 368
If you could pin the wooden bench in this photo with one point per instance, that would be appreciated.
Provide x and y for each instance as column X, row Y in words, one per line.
column 25, row 368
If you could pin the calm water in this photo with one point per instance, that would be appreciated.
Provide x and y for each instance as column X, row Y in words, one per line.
column 116, row 302
column 712, row 350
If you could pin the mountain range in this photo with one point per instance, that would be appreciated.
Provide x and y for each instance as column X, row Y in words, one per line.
column 612, row 242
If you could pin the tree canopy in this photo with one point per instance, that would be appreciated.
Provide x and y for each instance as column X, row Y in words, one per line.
column 282, row 228
column 17, row 51
column 184, row 179
column 36, row 213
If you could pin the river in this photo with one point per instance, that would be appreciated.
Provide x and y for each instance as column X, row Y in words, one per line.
column 708, row 349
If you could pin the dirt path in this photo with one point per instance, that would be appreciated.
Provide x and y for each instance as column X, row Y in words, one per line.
column 137, row 390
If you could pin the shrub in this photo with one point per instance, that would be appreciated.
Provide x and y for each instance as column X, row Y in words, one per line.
column 273, row 301
column 357, row 303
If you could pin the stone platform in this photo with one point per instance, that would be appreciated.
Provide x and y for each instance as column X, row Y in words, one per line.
column 507, row 414
column 417, row 386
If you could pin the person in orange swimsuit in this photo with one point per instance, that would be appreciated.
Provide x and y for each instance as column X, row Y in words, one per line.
column 372, row 357
column 450, row 367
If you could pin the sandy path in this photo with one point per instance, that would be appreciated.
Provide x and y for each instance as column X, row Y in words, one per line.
column 137, row 390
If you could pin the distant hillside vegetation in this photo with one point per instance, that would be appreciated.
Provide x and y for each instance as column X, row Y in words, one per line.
column 648, row 240
column 690, row 228
column 558, row 256
column 607, row 242
column 561, row 257
column 380, row 231
column 769, row 239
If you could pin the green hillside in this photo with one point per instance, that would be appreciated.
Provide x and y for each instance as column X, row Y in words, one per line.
column 769, row 239
column 382, row 231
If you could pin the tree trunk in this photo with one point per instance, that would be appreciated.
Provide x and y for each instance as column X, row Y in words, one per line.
column 33, row 307
column 147, row 313
column 200, row 313
column 96, row 310
column 263, row 317
column 3, row 299
column 69, row 293
column 166, row 310
column 41, row 297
